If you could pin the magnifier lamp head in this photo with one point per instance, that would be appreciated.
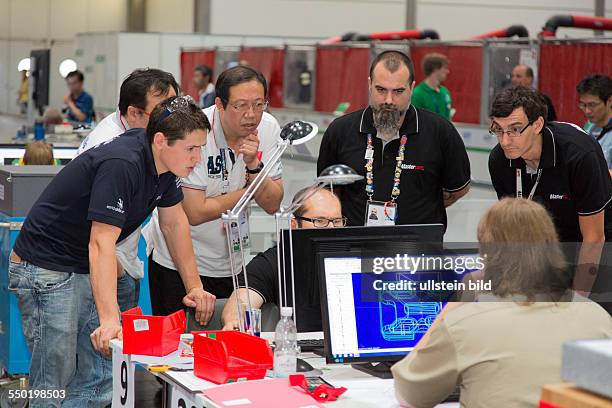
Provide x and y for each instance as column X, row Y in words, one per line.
column 338, row 174
column 298, row 132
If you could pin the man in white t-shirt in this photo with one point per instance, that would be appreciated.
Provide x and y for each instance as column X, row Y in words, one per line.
column 140, row 93
column 242, row 139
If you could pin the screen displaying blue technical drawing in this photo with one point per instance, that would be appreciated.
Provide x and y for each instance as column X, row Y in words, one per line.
column 397, row 320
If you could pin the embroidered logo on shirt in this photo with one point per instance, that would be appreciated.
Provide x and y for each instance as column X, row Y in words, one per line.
column 412, row 167
column 117, row 208
column 559, row 197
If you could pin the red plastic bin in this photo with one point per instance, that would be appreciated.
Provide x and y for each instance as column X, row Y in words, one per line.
column 151, row 335
column 227, row 356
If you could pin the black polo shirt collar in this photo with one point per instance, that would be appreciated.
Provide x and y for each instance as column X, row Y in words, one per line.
column 149, row 157
column 548, row 157
column 410, row 125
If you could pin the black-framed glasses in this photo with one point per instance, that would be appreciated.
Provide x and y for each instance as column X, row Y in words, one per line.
column 513, row 131
column 589, row 105
column 320, row 222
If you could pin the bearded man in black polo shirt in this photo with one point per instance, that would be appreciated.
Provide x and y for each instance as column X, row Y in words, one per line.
column 413, row 161
column 558, row 165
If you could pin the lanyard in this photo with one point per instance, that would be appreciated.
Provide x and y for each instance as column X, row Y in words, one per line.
column 369, row 166
column 221, row 151
column 519, row 184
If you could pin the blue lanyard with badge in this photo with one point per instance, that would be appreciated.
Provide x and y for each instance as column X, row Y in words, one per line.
column 379, row 212
column 519, row 184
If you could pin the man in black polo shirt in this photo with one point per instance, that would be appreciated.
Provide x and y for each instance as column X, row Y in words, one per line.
column 556, row 164
column 64, row 257
column 320, row 210
column 414, row 161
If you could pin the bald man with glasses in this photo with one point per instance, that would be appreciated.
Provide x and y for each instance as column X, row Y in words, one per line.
column 320, row 210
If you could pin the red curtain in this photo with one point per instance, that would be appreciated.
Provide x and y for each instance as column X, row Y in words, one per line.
column 189, row 60
column 464, row 80
column 270, row 62
column 562, row 66
column 341, row 76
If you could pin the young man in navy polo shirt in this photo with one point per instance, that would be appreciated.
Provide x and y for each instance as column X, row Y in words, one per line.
column 64, row 257
column 558, row 165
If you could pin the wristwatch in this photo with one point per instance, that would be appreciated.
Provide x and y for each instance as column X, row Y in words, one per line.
column 257, row 170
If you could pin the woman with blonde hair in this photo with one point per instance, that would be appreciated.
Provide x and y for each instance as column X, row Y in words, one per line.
column 487, row 347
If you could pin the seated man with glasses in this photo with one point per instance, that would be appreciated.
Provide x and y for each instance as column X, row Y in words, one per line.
column 242, row 139
column 321, row 210
column 558, row 165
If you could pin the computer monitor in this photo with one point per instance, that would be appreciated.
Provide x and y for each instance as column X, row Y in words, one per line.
column 9, row 153
column 308, row 242
column 376, row 312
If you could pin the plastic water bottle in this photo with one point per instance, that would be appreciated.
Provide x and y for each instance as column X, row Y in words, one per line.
column 286, row 350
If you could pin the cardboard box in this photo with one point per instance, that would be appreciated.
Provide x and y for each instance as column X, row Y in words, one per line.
column 567, row 395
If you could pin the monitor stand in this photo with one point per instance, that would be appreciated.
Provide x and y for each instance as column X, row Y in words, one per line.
column 381, row 369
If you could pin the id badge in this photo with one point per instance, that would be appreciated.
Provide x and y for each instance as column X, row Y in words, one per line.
column 380, row 213
column 225, row 186
column 242, row 235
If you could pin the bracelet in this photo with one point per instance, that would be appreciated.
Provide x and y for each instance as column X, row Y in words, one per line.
column 257, row 170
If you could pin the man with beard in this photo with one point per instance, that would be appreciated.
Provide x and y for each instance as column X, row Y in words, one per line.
column 414, row 161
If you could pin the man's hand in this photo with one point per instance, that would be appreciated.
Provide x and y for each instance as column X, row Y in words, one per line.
column 231, row 325
column 248, row 149
column 101, row 337
column 67, row 98
column 203, row 302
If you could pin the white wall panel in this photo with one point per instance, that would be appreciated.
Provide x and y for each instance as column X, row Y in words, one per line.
column 170, row 17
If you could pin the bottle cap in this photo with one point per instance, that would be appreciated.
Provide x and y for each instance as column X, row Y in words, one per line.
column 286, row 311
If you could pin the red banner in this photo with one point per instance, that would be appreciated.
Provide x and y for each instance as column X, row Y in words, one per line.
column 562, row 66
column 464, row 80
column 270, row 62
column 189, row 60
column 341, row 76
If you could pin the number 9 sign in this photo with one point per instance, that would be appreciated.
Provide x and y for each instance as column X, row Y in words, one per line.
column 123, row 379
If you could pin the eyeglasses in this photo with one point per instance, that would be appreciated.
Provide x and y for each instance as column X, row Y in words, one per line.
column 324, row 222
column 513, row 131
column 589, row 105
column 179, row 103
column 243, row 106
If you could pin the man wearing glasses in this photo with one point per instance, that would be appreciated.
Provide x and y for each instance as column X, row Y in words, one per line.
column 320, row 210
column 556, row 164
column 242, row 138
column 595, row 93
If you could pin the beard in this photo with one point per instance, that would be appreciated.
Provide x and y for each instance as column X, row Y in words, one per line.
column 387, row 118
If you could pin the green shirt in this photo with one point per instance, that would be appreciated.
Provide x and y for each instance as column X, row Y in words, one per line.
column 427, row 98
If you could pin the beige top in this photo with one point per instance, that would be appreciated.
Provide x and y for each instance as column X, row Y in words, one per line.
column 500, row 353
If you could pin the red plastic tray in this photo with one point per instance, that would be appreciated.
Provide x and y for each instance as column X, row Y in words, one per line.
column 151, row 335
column 227, row 356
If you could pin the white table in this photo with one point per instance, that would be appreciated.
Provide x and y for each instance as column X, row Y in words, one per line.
column 182, row 389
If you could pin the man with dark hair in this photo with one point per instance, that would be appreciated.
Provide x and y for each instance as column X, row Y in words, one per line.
column 556, row 164
column 79, row 104
column 139, row 94
column 522, row 75
column 242, row 138
column 595, row 92
column 414, row 162
column 202, row 78
column 320, row 210
column 430, row 94
column 63, row 267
